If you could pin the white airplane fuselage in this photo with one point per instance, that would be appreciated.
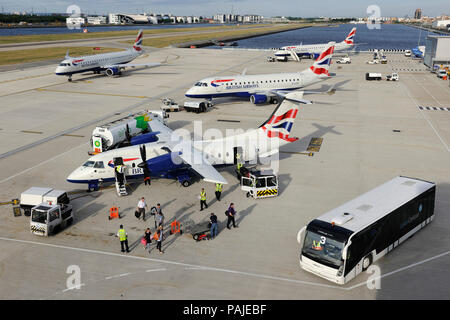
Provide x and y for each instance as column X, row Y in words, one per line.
column 254, row 143
column 311, row 50
column 97, row 62
column 247, row 85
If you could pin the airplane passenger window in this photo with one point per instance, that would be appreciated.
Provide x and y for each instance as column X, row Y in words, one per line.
column 99, row 164
column 89, row 164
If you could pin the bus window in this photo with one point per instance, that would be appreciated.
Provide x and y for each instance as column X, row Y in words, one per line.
column 261, row 182
column 323, row 249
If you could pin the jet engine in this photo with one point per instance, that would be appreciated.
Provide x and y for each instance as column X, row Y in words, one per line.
column 112, row 71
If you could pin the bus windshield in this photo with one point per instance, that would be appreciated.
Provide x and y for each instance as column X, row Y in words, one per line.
column 323, row 249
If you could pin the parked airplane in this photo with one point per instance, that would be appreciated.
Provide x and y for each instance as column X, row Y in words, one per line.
column 313, row 50
column 173, row 157
column 111, row 63
column 264, row 88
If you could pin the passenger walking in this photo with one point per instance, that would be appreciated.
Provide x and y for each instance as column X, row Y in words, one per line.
column 158, row 237
column 147, row 238
column 159, row 215
column 203, row 199
column 123, row 237
column 218, row 190
column 214, row 230
column 142, row 205
column 231, row 214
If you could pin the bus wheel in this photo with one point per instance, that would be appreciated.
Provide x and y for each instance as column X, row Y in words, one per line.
column 367, row 261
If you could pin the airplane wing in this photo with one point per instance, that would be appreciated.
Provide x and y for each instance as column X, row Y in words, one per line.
column 197, row 161
column 134, row 65
column 297, row 95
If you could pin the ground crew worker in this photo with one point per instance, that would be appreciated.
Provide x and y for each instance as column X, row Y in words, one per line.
column 123, row 237
column 147, row 180
column 239, row 166
column 203, row 199
column 231, row 215
column 218, row 190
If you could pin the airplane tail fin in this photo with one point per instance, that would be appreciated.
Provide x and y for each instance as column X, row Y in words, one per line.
column 280, row 123
column 138, row 42
column 67, row 54
column 321, row 66
column 351, row 35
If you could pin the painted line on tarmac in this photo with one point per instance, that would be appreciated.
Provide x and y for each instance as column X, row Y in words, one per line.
column 93, row 93
column 26, row 78
column 193, row 267
column 401, row 269
column 426, row 119
column 75, row 287
column 255, row 275
column 152, row 270
column 40, row 164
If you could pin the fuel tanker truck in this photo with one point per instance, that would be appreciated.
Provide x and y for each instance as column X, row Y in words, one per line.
column 130, row 130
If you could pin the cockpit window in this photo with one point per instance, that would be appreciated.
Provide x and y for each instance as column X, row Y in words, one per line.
column 89, row 164
column 64, row 64
column 201, row 84
column 99, row 164
column 198, row 84
column 205, row 84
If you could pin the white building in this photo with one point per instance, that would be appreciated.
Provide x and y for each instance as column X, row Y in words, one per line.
column 441, row 24
column 75, row 21
column 113, row 18
column 96, row 20
column 437, row 51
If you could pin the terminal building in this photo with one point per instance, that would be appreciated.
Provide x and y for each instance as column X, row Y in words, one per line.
column 437, row 51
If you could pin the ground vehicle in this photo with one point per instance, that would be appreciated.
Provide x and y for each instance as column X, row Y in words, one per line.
column 345, row 241
column 197, row 106
column 121, row 131
column 375, row 61
column 258, row 185
column 271, row 59
column 383, row 60
column 35, row 195
column 407, row 53
column 392, row 77
column 344, row 60
column 441, row 73
column 169, row 104
column 50, row 218
column 373, row 76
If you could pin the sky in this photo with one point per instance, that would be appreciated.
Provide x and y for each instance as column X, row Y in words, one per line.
column 268, row 8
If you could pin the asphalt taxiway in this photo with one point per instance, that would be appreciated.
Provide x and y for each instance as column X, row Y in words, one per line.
column 372, row 132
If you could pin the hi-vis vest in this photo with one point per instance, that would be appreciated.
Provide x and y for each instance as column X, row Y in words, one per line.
column 316, row 245
column 122, row 235
column 203, row 195
column 239, row 166
column 219, row 187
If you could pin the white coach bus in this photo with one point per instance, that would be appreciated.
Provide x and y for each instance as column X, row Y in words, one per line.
column 345, row 241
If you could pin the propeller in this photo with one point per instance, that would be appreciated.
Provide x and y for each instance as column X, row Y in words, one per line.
column 127, row 133
column 143, row 164
column 143, row 152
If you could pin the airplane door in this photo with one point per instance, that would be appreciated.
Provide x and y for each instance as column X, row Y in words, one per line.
column 219, row 87
column 238, row 155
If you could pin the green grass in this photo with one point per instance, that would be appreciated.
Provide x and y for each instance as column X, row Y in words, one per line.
column 33, row 55
column 161, row 42
column 105, row 34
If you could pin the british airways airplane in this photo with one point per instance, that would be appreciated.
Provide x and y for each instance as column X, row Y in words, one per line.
column 174, row 157
column 313, row 50
column 111, row 63
column 264, row 88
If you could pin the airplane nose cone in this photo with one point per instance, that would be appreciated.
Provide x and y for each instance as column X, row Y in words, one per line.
column 74, row 176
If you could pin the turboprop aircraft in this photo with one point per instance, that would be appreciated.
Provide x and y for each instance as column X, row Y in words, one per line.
column 173, row 157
